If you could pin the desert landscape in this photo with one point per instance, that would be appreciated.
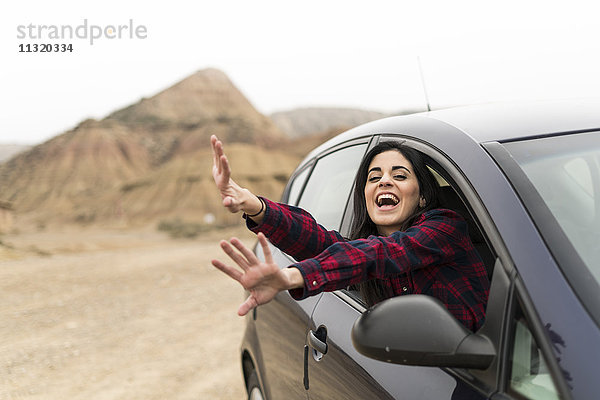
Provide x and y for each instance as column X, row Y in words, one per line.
column 106, row 235
column 108, row 314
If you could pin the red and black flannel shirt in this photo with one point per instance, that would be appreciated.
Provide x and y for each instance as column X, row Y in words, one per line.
column 434, row 257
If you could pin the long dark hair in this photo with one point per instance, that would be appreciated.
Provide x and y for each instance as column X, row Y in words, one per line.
column 362, row 226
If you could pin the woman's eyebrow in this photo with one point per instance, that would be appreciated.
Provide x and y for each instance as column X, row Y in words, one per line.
column 395, row 167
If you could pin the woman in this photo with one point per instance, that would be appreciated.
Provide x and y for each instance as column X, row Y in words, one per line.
column 401, row 243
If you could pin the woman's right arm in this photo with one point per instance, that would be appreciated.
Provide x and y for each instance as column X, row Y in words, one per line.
column 290, row 229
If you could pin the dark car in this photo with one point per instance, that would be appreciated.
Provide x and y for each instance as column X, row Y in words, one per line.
column 526, row 177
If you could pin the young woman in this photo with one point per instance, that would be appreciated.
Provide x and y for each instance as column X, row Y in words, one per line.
column 401, row 243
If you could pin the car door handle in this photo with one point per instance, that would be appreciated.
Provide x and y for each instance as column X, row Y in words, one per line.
column 318, row 340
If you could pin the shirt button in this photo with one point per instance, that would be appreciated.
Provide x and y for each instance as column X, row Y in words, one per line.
column 404, row 288
column 314, row 283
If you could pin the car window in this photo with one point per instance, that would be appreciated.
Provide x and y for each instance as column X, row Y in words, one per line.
column 561, row 190
column 328, row 188
column 296, row 186
column 529, row 375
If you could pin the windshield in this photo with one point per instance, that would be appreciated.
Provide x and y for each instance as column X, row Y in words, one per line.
column 565, row 172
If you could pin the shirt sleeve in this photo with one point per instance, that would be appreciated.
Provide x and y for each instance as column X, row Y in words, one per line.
column 293, row 230
column 434, row 240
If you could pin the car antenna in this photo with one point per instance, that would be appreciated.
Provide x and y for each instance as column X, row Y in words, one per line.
column 423, row 83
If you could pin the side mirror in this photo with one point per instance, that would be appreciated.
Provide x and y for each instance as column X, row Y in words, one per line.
column 419, row 330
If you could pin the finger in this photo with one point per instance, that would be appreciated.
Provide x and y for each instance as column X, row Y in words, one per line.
column 247, row 305
column 230, row 204
column 224, row 167
column 232, row 272
column 213, row 145
column 265, row 247
column 218, row 155
column 246, row 252
column 234, row 255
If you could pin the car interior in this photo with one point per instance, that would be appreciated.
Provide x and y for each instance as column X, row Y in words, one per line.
column 450, row 199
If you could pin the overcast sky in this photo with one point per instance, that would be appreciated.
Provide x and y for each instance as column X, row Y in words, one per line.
column 284, row 55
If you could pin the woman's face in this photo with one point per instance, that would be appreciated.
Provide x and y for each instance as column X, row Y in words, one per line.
column 391, row 191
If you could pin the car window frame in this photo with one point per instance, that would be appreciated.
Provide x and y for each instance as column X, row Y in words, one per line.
column 308, row 167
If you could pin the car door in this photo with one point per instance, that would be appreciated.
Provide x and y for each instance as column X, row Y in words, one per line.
column 280, row 326
column 321, row 187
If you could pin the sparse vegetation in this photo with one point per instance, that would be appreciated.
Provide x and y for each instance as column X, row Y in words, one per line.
column 177, row 228
column 7, row 245
column 85, row 218
column 135, row 185
column 38, row 251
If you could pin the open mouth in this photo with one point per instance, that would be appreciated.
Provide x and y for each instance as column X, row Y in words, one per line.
column 387, row 200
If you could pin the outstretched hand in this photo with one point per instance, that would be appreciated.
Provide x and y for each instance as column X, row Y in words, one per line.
column 231, row 192
column 262, row 279
column 235, row 198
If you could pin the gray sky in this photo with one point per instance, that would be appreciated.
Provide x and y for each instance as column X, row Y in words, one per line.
column 283, row 55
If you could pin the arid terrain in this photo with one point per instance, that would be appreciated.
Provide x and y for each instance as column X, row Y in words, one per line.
column 99, row 314
column 89, row 312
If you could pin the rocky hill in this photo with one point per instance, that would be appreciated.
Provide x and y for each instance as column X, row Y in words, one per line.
column 149, row 161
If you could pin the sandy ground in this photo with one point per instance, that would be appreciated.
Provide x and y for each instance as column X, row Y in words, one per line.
column 117, row 315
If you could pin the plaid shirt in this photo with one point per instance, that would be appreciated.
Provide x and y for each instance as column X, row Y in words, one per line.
column 434, row 257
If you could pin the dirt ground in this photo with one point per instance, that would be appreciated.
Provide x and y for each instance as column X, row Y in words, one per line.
column 118, row 315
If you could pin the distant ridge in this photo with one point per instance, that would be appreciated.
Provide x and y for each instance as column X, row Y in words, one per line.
column 310, row 120
column 9, row 150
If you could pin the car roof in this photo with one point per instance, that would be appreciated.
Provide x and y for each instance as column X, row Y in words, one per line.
column 512, row 121
column 500, row 122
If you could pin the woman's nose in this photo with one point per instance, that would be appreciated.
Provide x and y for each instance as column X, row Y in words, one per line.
column 384, row 181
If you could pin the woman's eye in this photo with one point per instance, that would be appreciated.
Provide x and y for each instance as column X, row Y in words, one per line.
column 402, row 177
column 374, row 178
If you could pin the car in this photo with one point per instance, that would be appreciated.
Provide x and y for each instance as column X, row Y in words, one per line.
column 526, row 177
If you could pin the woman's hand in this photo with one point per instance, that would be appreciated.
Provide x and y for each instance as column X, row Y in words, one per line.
column 235, row 198
column 262, row 279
